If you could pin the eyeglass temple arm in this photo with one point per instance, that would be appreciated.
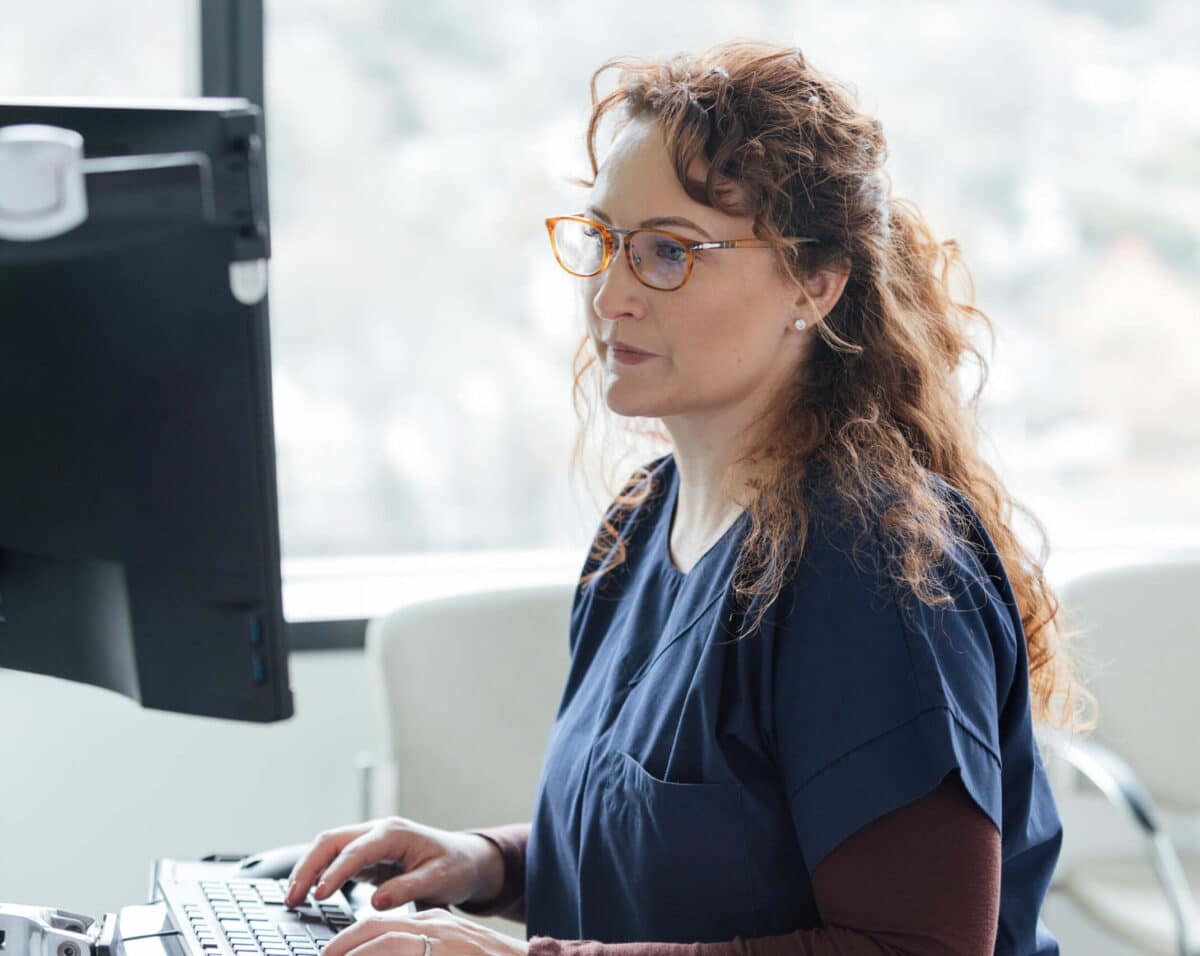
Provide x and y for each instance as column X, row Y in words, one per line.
column 740, row 244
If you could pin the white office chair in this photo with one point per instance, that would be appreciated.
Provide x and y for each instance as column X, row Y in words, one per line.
column 1142, row 633
column 467, row 688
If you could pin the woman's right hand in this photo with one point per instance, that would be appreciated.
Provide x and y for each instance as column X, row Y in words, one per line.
column 436, row 866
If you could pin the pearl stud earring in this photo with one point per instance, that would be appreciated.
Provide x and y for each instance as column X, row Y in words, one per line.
column 801, row 325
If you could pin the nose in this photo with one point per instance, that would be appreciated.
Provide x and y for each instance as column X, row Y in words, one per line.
column 618, row 293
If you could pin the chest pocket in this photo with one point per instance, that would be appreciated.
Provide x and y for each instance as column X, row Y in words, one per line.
column 682, row 854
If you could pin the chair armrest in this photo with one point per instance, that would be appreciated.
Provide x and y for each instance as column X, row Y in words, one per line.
column 1109, row 773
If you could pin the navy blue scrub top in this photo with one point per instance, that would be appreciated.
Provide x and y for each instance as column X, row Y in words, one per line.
column 692, row 781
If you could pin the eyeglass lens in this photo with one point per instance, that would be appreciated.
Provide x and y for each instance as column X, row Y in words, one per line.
column 657, row 258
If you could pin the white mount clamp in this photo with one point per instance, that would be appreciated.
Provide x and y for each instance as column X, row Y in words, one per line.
column 42, row 193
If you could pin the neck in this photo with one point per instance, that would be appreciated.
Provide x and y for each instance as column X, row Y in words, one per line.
column 712, row 488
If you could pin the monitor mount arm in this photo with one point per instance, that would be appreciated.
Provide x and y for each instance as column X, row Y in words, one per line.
column 42, row 171
column 47, row 189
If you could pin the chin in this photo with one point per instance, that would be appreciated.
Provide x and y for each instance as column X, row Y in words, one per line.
column 629, row 402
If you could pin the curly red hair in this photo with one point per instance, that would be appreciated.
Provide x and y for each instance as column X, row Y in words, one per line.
column 876, row 403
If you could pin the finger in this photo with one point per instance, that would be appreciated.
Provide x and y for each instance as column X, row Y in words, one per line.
column 356, row 855
column 420, row 884
column 325, row 848
column 367, row 930
column 378, row 873
column 392, row 944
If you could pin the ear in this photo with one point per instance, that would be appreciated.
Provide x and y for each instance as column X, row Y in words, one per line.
column 820, row 290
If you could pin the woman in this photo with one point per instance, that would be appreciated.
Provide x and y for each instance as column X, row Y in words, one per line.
column 806, row 647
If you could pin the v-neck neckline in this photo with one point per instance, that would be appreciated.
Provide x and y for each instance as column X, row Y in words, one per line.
column 667, row 520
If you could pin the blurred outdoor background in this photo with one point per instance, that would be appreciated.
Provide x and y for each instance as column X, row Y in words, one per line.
column 423, row 334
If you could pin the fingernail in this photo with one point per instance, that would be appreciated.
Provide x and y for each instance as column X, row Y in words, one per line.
column 382, row 902
column 320, row 887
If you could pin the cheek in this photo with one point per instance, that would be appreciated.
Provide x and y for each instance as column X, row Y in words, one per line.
column 741, row 335
column 723, row 331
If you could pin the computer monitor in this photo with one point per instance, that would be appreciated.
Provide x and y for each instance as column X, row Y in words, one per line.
column 139, row 538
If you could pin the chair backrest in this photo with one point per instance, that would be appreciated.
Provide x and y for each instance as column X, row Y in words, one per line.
column 468, row 687
column 1140, row 646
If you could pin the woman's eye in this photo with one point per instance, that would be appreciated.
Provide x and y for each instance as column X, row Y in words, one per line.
column 591, row 233
column 671, row 252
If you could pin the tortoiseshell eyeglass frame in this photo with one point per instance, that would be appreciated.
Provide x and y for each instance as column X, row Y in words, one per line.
column 611, row 235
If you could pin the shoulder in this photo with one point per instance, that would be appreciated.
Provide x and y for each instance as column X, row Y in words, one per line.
column 626, row 522
column 647, row 483
column 847, row 607
column 851, row 542
column 847, row 614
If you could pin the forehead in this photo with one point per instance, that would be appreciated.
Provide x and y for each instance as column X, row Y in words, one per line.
column 637, row 182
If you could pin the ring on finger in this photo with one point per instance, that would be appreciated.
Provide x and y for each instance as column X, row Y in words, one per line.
column 428, row 945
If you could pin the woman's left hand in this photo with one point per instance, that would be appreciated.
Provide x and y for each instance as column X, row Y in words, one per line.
column 449, row 935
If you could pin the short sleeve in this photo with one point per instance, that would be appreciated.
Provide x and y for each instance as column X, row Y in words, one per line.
column 876, row 697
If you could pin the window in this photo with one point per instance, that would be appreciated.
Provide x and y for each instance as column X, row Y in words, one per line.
column 137, row 48
column 424, row 335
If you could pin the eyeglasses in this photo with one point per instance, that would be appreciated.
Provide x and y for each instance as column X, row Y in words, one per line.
column 660, row 260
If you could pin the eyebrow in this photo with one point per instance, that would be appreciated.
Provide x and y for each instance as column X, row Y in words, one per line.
column 655, row 223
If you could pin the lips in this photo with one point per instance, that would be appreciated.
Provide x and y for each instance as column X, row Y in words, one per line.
column 619, row 346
